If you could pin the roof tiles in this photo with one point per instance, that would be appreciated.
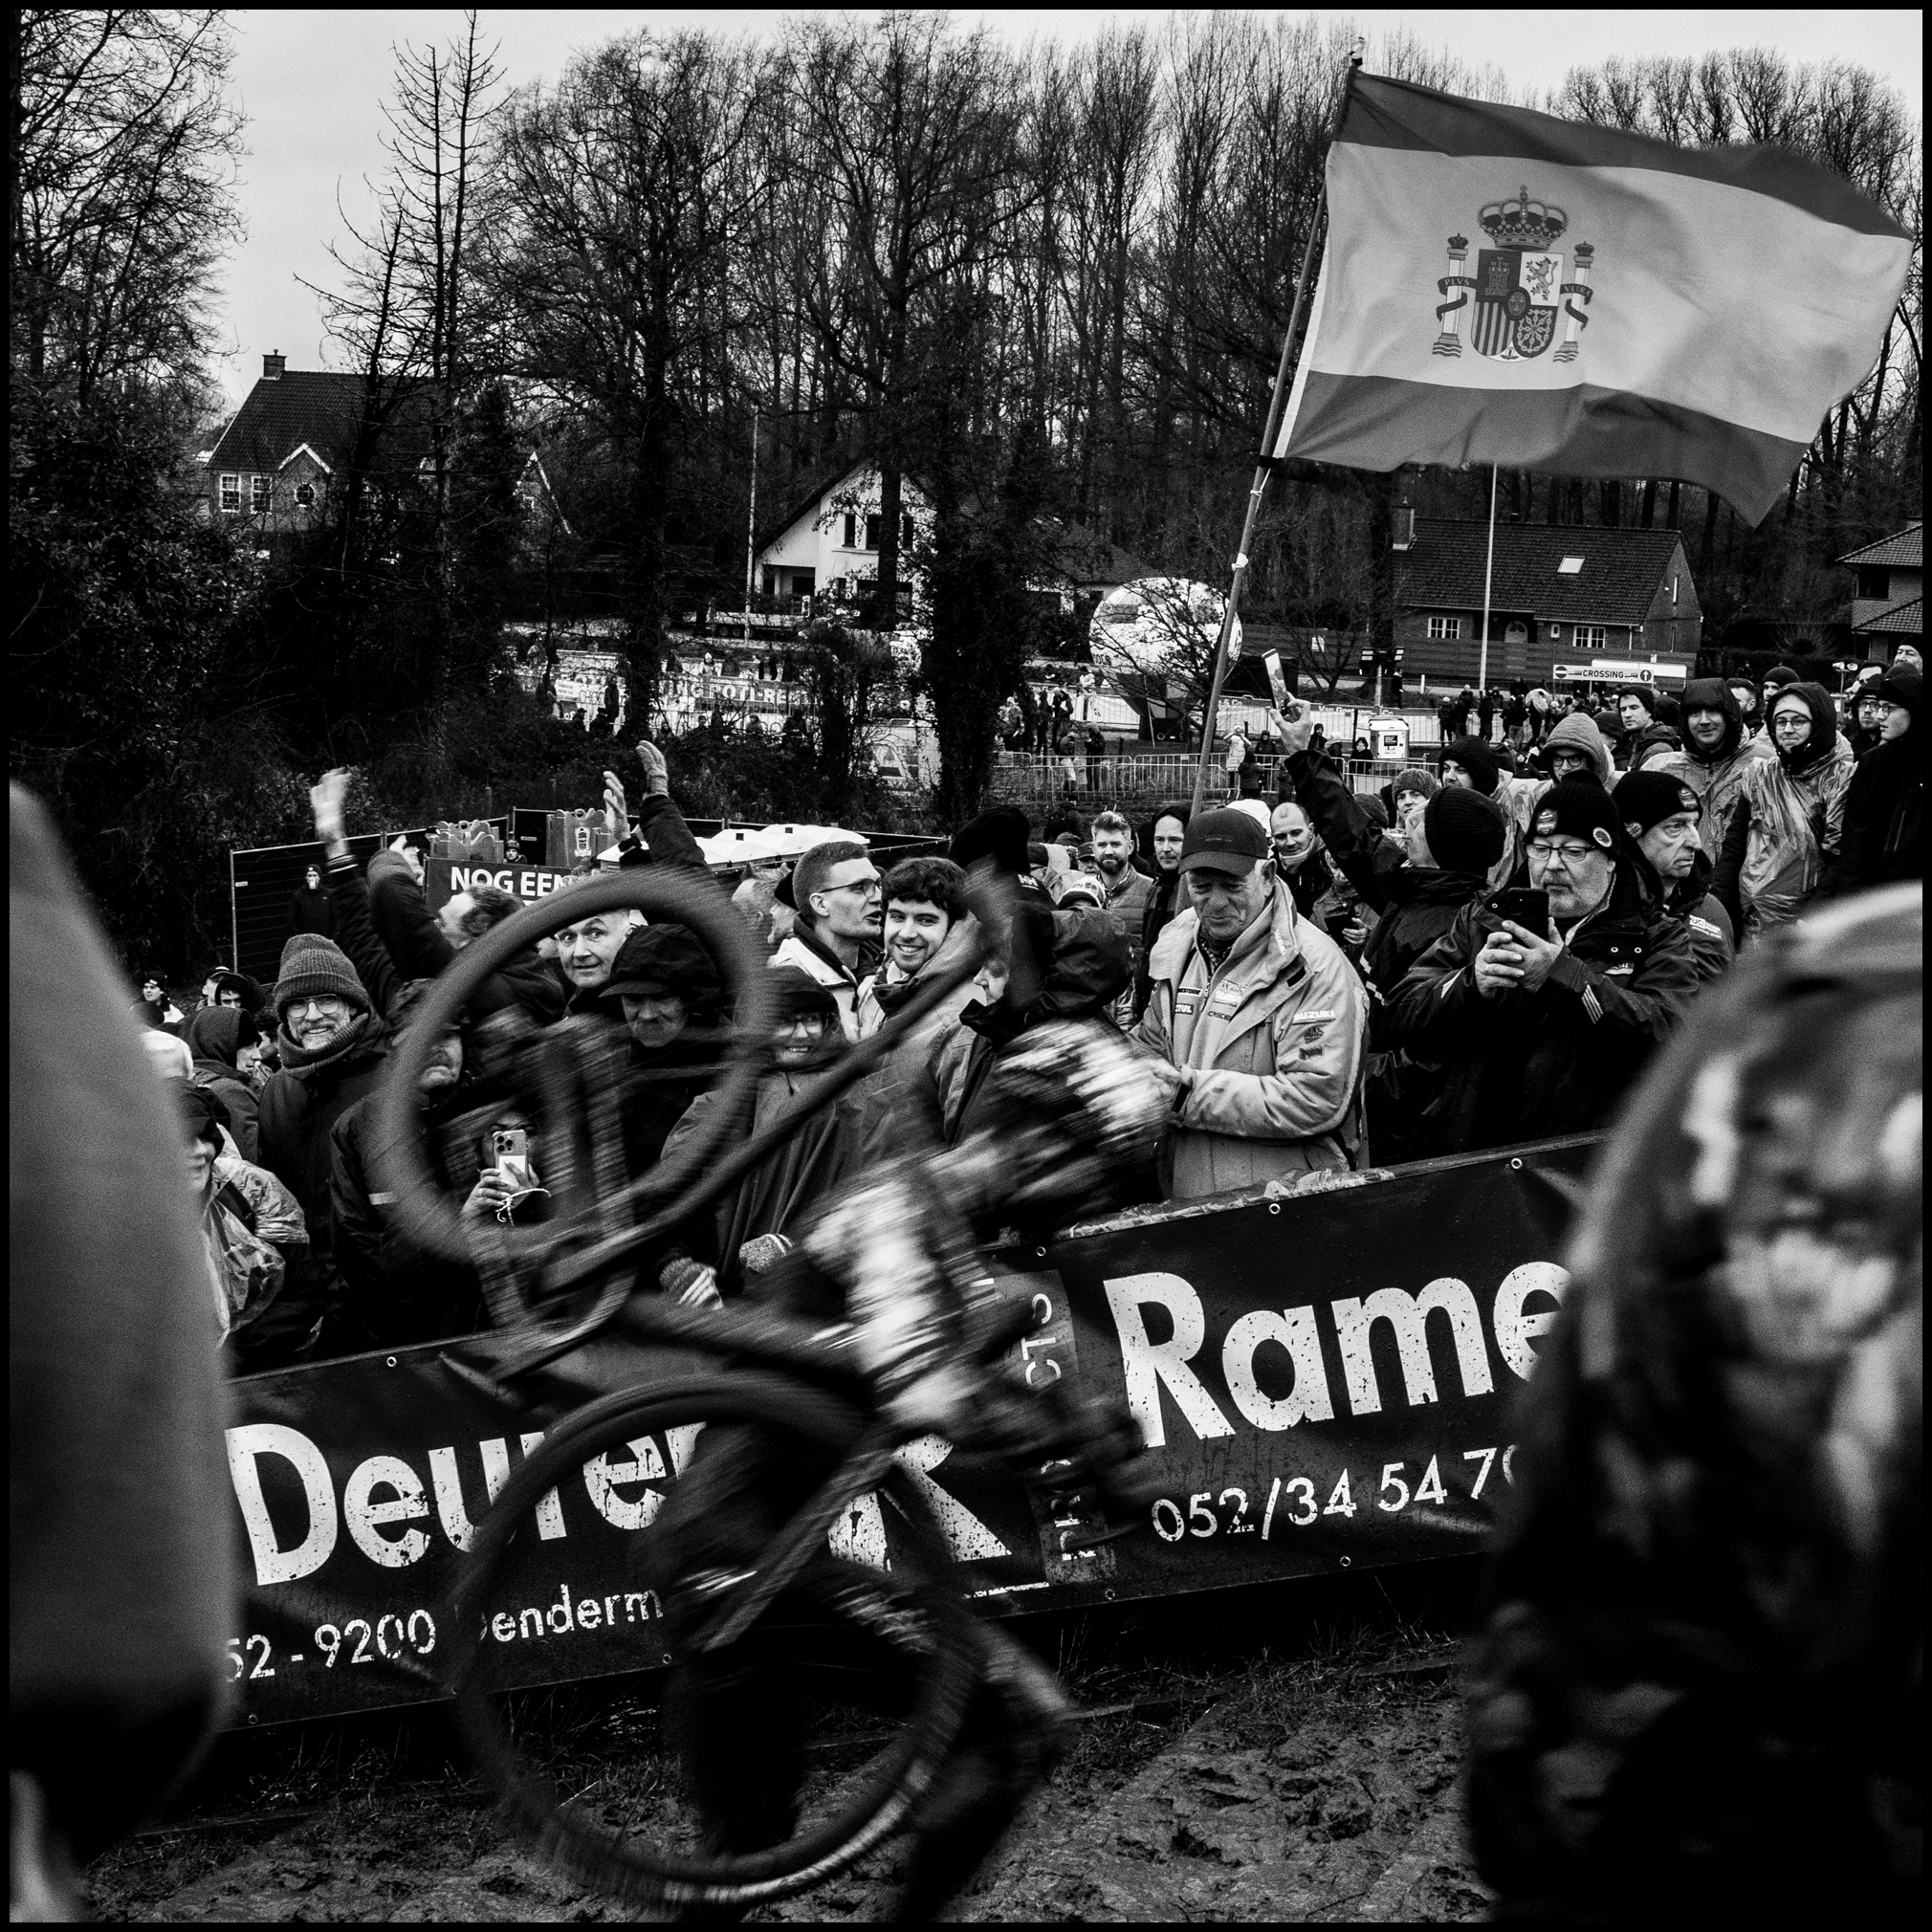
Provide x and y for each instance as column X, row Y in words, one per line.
column 1904, row 548
column 1617, row 583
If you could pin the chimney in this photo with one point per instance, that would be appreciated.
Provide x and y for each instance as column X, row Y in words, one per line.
column 1405, row 528
column 272, row 366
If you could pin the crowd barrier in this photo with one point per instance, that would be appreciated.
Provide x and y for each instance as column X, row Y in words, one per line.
column 1324, row 1379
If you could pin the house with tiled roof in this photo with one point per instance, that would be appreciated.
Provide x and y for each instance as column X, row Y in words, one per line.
column 1888, row 606
column 1568, row 604
column 293, row 439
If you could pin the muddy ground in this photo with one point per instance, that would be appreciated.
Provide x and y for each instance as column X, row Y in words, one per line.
column 1285, row 1752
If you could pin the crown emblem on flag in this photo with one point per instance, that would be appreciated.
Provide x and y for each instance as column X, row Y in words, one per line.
column 1521, row 222
column 1526, row 296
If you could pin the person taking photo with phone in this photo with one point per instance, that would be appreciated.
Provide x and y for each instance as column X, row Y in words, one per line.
column 1541, row 1002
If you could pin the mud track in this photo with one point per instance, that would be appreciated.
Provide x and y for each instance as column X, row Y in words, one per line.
column 1286, row 1753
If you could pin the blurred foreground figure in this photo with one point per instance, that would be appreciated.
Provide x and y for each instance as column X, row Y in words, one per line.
column 1698, row 1687
column 120, row 1583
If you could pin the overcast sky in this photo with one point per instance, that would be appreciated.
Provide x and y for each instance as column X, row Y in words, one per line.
column 312, row 84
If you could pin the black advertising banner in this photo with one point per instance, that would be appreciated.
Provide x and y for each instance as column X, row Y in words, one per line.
column 1324, row 1380
column 443, row 878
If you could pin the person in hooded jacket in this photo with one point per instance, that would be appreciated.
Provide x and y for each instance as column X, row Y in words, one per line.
column 1648, row 740
column 220, row 1038
column 332, row 1046
column 1884, row 804
column 1541, row 1034
column 1165, row 832
column 1660, row 813
column 667, row 991
column 1789, row 819
column 1417, row 882
column 1717, row 751
column 309, row 909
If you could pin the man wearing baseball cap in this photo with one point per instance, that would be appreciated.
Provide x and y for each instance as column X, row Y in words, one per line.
column 1663, row 814
column 1260, row 1020
column 1541, row 1032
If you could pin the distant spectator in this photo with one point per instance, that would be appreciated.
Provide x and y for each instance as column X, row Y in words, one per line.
column 1885, row 805
column 757, row 894
column 1575, row 749
column 1661, row 814
column 333, row 1047
column 1751, row 704
column 1261, row 1020
column 309, row 909
column 1541, row 1034
column 752, row 1226
column 167, row 1014
column 1166, row 833
column 1907, row 658
column 225, row 1047
column 1717, row 751
column 841, row 919
column 924, row 899
column 237, row 989
column 1096, row 751
column 1647, row 740
column 1789, row 819
column 250, row 1224
column 1298, row 864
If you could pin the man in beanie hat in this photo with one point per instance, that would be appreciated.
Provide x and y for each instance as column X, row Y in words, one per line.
column 1260, row 1017
column 1885, row 802
column 332, row 1046
column 1540, row 1033
column 1417, row 882
column 1717, row 750
column 1660, row 813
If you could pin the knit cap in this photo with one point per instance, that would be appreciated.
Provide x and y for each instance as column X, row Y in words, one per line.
column 1464, row 829
column 1477, row 759
column 1778, row 677
column 1415, row 779
column 1576, row 810
column 313, row 965
column 1647, row 798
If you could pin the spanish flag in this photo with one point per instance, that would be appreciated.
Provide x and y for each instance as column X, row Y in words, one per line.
column 1500, row 286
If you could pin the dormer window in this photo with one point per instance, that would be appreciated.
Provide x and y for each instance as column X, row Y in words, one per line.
column 306, row 496
column 1571, row 566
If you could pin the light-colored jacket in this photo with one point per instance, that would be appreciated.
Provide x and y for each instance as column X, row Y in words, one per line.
column 814, row 965
column 1276, row 1040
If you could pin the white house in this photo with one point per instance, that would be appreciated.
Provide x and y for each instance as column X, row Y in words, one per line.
column 828, row 544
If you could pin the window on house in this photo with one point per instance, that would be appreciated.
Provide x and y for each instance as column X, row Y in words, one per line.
column 851, row 530
column 1591, row 636
column 905, row 533
column 259, row 489
column 1571, row 566
column 1445, row 626
column 1874, row 580
column 306, row 496
column 230, row 492
column 1672, row 588
column 872, row 533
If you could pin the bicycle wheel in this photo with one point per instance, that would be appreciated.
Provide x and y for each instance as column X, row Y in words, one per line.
column 642, row 1839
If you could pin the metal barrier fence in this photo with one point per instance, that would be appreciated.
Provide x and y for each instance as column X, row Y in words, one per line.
column 1137, row 782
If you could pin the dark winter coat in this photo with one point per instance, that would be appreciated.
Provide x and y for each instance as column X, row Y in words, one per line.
column 1654, row 745
column 311, row 912
column 299, row 1108
column 1163, row 902
column 1530, row 1066
column 211, row 1037
column 1884, row 818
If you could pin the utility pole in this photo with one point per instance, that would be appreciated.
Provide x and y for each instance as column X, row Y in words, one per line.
column 752, row 528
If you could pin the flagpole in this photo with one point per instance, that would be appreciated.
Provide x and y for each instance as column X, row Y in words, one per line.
column 1488, row 572
column 1259, row 487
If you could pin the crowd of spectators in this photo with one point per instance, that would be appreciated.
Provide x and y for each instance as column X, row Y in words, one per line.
column 1481, row 953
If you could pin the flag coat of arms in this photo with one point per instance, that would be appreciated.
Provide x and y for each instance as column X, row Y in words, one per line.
column 1498, row 286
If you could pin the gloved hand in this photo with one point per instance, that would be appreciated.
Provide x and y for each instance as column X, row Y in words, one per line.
column 694, row 1285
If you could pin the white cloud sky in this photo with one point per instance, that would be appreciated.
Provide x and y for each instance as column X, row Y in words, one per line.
column 312, row 84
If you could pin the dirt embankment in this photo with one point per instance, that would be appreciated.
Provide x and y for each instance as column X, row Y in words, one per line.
column 1284, row 1753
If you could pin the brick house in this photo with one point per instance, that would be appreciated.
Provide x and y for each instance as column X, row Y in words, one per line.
column 1888, row 608
column 294, row 436
column 1566, row 605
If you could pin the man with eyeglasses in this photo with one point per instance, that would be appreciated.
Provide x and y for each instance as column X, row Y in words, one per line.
column 1540, row 1033
column 841, row 918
